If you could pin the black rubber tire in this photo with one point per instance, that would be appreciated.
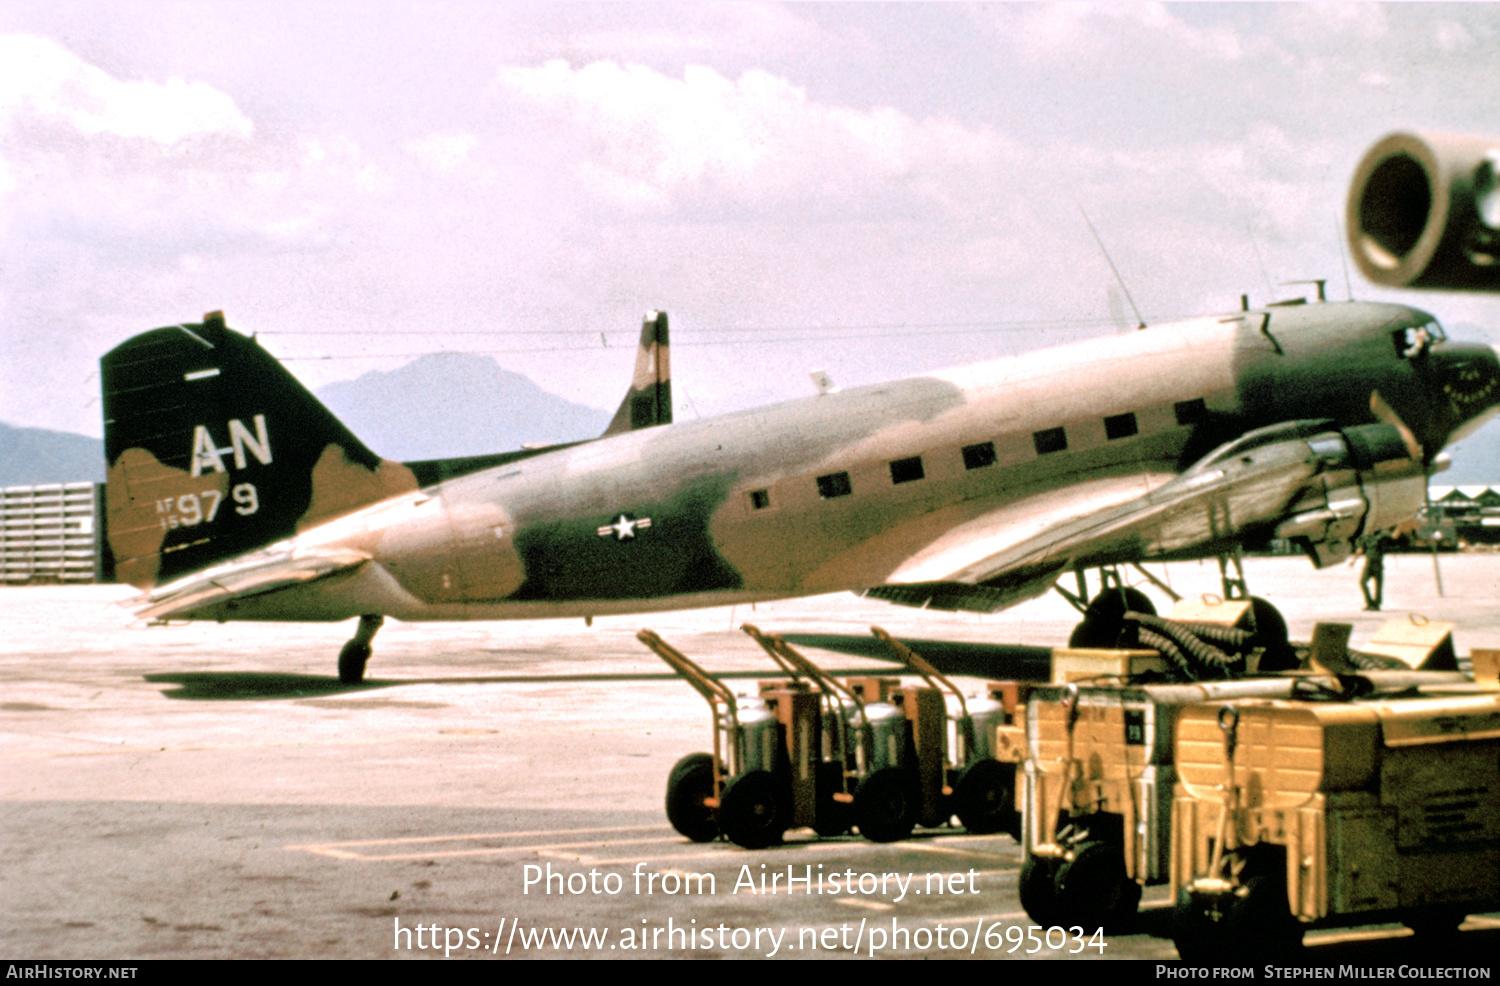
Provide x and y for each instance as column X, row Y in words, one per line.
column 352, row 660
column 885, row 805
column 833, row 818
column 1259, row 922
column 1246, row 926
column 1197, row 928
column 1270, row 625
column 1271, row 636
column 751, row 812
column 689, row 785
column 1092, row 889
column 1038, row 892
column 984, row 797
column 1105, row 617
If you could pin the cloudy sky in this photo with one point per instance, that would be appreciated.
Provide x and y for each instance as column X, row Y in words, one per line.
column 874, row 190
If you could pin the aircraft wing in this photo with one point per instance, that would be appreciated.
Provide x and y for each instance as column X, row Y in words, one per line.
column 248, row 575
column 1298, row 479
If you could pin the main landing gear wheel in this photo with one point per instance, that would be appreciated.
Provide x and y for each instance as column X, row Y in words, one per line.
column 689, row 786
column 356, row 653
column 1271, row 634
column 750, row 811
column 1105, row 617
column 984, row 797
column 885, row 806
column 1093, row 890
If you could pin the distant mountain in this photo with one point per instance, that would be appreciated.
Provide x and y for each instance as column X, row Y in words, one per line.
column 455, row 404
column 33, row 456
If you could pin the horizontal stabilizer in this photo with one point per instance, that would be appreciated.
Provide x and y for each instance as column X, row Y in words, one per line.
column 251, row 575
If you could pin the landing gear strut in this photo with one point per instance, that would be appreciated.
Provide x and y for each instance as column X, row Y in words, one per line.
column 357, row 651
column 1104, row 615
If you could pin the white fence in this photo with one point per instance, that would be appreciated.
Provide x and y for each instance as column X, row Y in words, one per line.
column 49, row 533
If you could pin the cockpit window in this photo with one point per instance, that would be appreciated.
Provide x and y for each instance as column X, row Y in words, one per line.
column 1415, row 340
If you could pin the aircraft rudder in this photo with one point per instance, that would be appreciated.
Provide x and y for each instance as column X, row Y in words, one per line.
column 213, row 449
column 649, row 401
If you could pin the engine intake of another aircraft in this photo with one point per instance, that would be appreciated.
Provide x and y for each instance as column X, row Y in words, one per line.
column 1424, row 211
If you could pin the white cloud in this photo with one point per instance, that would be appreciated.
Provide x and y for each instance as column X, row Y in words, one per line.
column 442, row 153
column 1068, row 32
column 652, row 139
column 1452, row 37
column 41, row 80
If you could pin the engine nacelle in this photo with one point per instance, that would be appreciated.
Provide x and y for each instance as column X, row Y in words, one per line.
column 1370, row 483
column 1424, row 212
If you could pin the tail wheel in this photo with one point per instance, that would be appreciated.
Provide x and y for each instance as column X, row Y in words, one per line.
column 689, row 786
column 1038, row 891
column 885, row 806
column 1105, row 617
column 352, row 660
column 1093, row 890
column 833, row 817
column 750, row 812
column 984, row 797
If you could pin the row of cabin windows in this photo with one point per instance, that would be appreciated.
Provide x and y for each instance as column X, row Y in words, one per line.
column 979, row 456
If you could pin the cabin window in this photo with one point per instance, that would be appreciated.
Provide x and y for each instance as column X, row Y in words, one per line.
column 1050, row 440
column 1190, row 412
column 907, row 470
column 835, row 484
column 1120, row 426
column 979, row 456
column 760, row 499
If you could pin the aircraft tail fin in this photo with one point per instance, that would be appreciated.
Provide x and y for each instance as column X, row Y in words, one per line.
column 213, row 450
column 649, row 401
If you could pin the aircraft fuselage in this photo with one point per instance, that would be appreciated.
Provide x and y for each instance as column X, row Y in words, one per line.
column 874, row 485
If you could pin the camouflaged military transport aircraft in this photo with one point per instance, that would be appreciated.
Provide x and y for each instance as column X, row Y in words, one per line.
column 234, row 495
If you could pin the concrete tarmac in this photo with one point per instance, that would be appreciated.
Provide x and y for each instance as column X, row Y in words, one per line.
column 208, row 791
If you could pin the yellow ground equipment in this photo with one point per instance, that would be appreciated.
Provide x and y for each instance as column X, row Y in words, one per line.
column 762, row 777
column 1291, row 814
column 1097, row 791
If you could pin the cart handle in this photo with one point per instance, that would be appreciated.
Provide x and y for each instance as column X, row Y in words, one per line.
column 705, row 684
column 914, row 661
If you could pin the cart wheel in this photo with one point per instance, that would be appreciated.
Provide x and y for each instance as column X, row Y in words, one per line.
column 1197, row 927
column 750, row 811
column 1246, row 925
column 1092, row 888
column 885, row 806
column 1260, row 922
column 984, row 798
column 833, row 817
column 689, row 785
column 1105, row 617
column 1038, row 892
column 352, row 660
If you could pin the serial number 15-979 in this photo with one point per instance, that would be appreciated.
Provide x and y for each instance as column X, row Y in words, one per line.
column 192, row 509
